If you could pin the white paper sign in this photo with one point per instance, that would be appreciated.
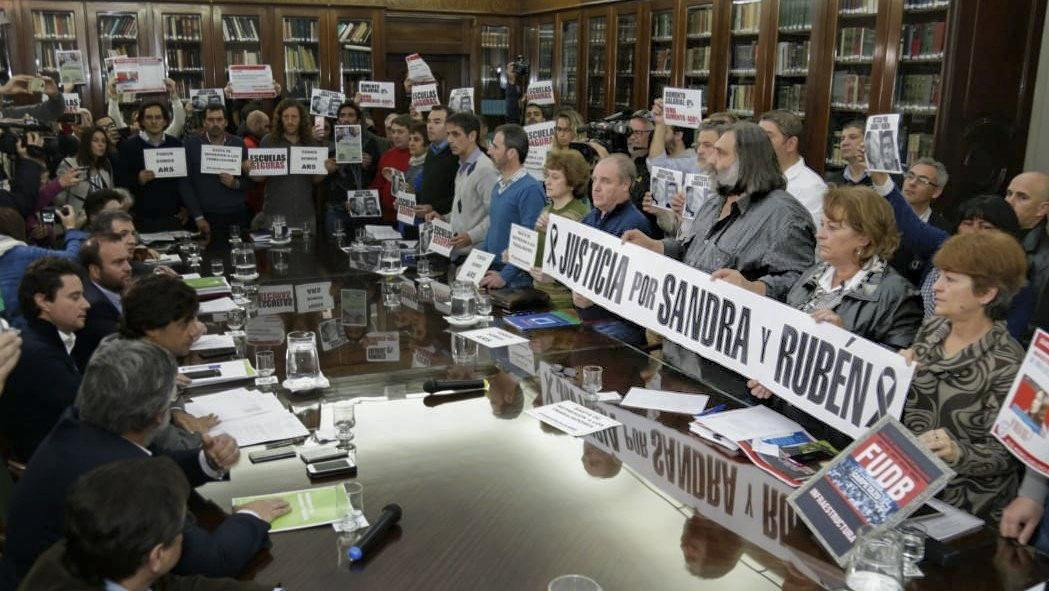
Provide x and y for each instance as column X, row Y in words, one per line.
column 462, row 100
column 678, row 402
column 139, row 74
column 405, row 203
column 379, row 95
column 71, row 68
column 200, row 98
column 418, row 71
column 308, row 160
column 332, row 335
column 493, row 337
column 365, row 204
column 251, row 81
column 574, row 419
column 425, row 97
column 276, row 299
column 166, row 163
column 382, row 346
column 540, row 92
column 1021, row 425
column 524, row 244
column 881, row 141
column 72, row 101
column 268, row 161
column 264, row 330
column 348, row 144
column 314, row 297
column 219, row 159
column 683, row 107
column 540, row 140
column 354, row 303
column 325, row 103
column 476, row 264
column 698, row 188
column 856, row 383
column 665, row 183
column 441, row 238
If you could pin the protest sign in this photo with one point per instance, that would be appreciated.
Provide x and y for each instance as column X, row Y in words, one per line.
column 476, row 264
column 308, row 160
column 268, row 161
column 166, row 163
column 462, row 99
column 665, row 183
column 364, row 203
column 881, row 143
column 441, row 238
column 418, row 71
column 382, row 346
column 1021, row 425
column 332, row 335
column 876, row 482
column 354, row 304
column 683, row 107
column 72, row 101
column 348, row 145
column 698, row 188
column 325, row 103
column 378, row 95
column 220, row 159
column 524, row 244
column 276, row 299
column 314, row 297
column 540, row 140
column 139, row 74
column 540, row 92
column 837, row 377
column 251, row 81
column 424, row 97
column 71, row 68
column 405, row 203
column 200, row 98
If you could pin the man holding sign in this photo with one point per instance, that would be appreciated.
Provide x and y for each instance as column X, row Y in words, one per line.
column 160, row 203
column 216, row 165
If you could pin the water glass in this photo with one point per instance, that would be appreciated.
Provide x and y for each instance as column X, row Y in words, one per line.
column 218, row 266
column 235, row 318
column 353, row 516
column 244, row 264
column 422, row 266
column 302, row 364
column 251, row 298
column 338, row 229
column 264, row 365
column 464, row 350
column 391, row 295
column 425, row 292
column 307, row 230
column 236, row 288
column 573, row 583
column 345, row 419
column 463, row 301
column 279, row 258
column 390, row 260
column 483, row 303
column 876, row 563
column 592, row 380
column 279, row 230
column 234, row 235
column 912, row 540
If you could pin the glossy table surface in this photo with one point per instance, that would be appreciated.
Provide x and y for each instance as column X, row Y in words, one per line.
column 494, row 499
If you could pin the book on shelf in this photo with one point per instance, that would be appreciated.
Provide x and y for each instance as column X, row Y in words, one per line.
column 856, row 42
column 795, row 15
column 355, row 32
column 697, row 59
column 662, row 60
column 700, row 20
column 181, row 27
column 626, row 31
column 850, row 89
column 113, row 26
column 492, row 38
column 299, row 58
column 858, row 7
column 741, row 97
column 746, row 16
column 792, row 57
column 744, row 55
column 181, row 58
column 243, row 57
column 919, row 145
column 662, row 25
column 300, row 29
column 53, row 24
column 240, row 28
column 925, row 4
column 598, row 32
column 356, row 62
column 791, row 97
column 922, row 39
column 834, row 146
column 919, row 90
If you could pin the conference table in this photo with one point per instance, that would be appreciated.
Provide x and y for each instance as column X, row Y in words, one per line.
column 492, row 498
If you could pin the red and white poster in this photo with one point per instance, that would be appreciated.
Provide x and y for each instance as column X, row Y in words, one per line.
column 1023, row 422
column 540, row 92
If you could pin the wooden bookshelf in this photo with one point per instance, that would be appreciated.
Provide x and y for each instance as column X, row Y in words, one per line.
column 306, row 41
column 568, row 47
column 625, row 58
column 185, row 38
column 358, row 42
column 597, row 73
column 494, row 46
column 663, row 62
column 51, row 27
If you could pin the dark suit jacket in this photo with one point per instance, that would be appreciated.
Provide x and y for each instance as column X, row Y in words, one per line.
column 36, row 515
column 911, row 266
column 42, row 385
column 102, row 319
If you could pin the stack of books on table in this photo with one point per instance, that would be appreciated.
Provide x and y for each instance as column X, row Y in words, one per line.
column 208, row 287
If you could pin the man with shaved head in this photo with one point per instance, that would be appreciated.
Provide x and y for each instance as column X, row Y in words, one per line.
column 1028, row 194
column 256, row 125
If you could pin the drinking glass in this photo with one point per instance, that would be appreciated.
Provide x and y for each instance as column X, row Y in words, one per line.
column 360, row 237
column 338, row 229
column 391, row 295
column 483, row 303
column 573, row 583
column 463, row 301
column 234, row 235
column 279, row 257
column 425, row 291
column 390, row 260
column 592, row 380
column 264, row 365
column 218, row 266
column 235, row 318
column 236, row 288
column 279, row 229
column 876, row 563
column 353, row 516
column 912, row 540
column 422, row 266
column 307, row 230
column 302, row 364
column 251, row 298
column 244, row 264
column 344, row 417
column 464, row 350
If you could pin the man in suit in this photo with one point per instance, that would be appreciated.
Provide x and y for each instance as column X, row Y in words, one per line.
column 106, row 261
column 46, row 379
column 129, row 545
column 125, row 398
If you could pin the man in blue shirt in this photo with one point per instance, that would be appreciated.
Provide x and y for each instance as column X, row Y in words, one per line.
column 516, row 199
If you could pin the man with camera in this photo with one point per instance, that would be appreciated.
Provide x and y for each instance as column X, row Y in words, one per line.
column 16, row 255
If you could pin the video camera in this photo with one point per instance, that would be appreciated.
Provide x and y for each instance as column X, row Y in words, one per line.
column 520, row 67
column 14, row 135
column 611, row 132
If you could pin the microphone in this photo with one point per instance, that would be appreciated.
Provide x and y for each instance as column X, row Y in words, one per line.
column 434, row 386
column 391, row 514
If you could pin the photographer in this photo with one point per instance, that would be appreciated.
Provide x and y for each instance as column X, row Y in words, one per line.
column 516, row 74
column 46, row 111
column 15, row 255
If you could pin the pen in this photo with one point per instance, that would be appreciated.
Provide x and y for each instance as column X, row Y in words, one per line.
column 712, row 410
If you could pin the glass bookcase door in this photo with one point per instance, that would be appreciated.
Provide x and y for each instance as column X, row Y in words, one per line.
column 855, row 40
column 918, row 74
column 301, row 56
column 183, row 37
column 700, row 26
column 743, row 56
column 661, row 63
column 354, row 37
column 597, row 74
column 544, row 69
column 793, row 52
column 53, row 30
column 626, row 49
column 569, row 63
column 495, row 54
column 242, row 37
column 117, row 36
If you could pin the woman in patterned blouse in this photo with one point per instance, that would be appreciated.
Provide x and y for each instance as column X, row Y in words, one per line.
column 966, row 362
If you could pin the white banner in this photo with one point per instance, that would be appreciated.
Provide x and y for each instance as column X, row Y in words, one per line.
column 683, row 107
column 540, row 139
column 219, row 159
column 308, row 160
column 348, row 144
column 268, row 161
column 540, row 92
column 524, row 244
column 376, row 94
column 314, row 297
column 166, row 163
column 462, row 99
column 837, row 377
column 251, row 81
column 664, row 185
column 425, row 97
column 1021, row 423
column 200, row 98
column 276, row 299
column 139, row 74
column 325, row 103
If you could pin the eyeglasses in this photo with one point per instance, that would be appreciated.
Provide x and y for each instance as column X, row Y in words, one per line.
column 921, row 180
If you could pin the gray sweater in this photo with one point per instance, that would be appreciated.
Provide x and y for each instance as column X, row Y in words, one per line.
column 473, row 195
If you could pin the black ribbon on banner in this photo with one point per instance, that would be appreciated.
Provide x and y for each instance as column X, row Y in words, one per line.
column 550, row 258
column 884, row 395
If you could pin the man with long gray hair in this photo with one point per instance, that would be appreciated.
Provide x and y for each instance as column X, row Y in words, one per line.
column 125, row 397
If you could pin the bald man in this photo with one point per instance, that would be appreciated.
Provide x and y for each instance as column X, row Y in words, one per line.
column 256, row 126
column 1028, row 194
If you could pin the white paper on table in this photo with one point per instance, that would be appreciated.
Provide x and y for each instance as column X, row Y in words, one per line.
column 951, row 523
column 744, row 424
column 477, row 263
column 213, row 341
column 217, row 306
column 220, row 159
column 314, row 297
column 234, row 404
column 238, row 369
column 166, row 163
column 524, row 245
column 574, row 419
column 679, row 402
column 609, row 396
column 270, row 426
column 493, row 337
column 376, row 232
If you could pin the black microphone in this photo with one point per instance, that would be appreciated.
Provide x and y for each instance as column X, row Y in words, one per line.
column 391, row 514
column 432, row 386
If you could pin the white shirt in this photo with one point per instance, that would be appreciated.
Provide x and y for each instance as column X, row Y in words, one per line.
column 68, row 339
column 828, row 277
column 807, row 187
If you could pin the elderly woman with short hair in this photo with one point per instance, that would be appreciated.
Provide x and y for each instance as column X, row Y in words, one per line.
column 965, row 364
